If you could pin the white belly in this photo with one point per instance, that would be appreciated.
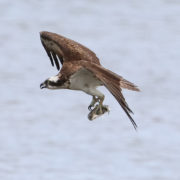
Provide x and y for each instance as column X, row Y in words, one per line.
column 84, row 80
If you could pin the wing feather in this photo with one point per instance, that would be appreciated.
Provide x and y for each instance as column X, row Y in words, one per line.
column 65, row 49
column 48, row 53
column 55, row 60
column 116, row 92
column 111, row 82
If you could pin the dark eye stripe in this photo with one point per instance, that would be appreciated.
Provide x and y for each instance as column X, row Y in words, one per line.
column 58, row 83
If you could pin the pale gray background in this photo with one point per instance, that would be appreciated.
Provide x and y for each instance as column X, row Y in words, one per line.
column 46, row 134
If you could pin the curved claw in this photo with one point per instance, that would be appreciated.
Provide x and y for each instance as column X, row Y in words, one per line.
column 90, row 107
column 93, row 102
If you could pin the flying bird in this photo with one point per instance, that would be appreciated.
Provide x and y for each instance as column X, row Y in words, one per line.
column 81, row 70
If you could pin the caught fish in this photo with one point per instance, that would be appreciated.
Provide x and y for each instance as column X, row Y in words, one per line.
column 96, row 112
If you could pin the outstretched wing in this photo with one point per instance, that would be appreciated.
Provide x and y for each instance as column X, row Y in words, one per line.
column 113, row 83
column 60, row 49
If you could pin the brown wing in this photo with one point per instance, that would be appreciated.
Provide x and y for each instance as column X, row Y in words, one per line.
column 113, row 83
column 60, row 49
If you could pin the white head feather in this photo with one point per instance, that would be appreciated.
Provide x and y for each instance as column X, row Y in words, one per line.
column 54, row 78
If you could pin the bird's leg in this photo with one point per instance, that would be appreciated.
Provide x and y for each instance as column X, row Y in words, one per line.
column 100, row 108
column 93, row 102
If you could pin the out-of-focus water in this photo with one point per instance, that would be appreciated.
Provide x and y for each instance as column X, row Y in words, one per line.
column 46, row 134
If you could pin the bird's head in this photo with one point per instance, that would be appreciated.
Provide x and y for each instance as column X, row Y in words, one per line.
column 44, row 84
column 55, row 82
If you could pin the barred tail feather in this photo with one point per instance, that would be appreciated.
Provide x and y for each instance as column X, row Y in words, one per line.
column 116, row 79
column 128, row 85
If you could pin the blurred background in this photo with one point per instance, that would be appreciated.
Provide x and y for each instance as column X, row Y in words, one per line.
column 46, row 134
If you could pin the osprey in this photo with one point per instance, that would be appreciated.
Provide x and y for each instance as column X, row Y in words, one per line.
column 81, row 70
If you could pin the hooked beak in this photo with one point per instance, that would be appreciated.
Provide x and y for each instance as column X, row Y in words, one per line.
column 42, row 85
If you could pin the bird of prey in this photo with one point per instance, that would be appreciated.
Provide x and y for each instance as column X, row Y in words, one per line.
column 81, row 70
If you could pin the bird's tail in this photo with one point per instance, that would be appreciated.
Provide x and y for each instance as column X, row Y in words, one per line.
column 118, row 80
column 128, row 85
